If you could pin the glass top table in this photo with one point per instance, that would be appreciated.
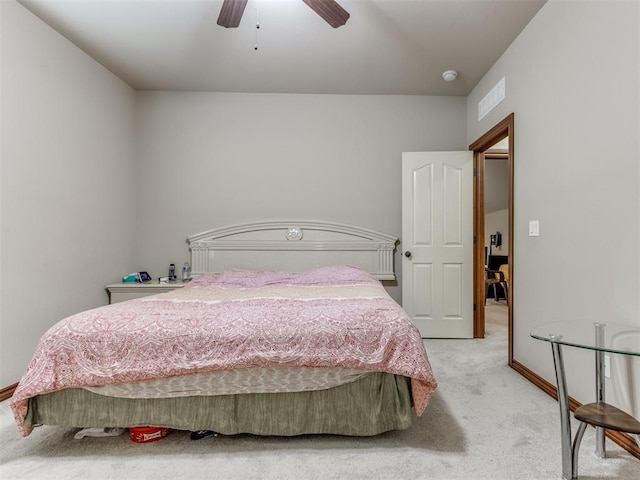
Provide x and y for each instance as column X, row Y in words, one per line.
column 605, row 337
column 601, row 338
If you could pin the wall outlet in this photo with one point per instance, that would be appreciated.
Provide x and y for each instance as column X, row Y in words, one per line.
column 607, row 366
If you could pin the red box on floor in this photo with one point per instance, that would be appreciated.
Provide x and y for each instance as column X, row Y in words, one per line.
column 148, row 434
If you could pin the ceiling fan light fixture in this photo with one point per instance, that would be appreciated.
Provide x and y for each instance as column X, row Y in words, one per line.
column 450, row 75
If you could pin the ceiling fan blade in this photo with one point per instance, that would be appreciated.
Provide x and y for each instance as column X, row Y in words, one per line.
column 333, row 14
column 231, row 13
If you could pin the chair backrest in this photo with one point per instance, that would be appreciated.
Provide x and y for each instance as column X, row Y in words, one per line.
column 494, row 261
column 505, row 271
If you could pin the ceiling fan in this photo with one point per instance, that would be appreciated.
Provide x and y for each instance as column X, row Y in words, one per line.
column 336, row 16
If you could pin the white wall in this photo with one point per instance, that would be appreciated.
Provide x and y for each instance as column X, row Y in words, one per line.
column 497, row 222
column 496, row 185
column 2, row 329
column 67, row 183
column 496, row 203
column 207, row 160
column 572, row 81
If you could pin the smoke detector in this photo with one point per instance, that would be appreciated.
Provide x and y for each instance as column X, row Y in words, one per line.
column 449, row 75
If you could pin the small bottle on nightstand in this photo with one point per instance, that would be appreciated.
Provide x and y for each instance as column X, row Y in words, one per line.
column 186, row 271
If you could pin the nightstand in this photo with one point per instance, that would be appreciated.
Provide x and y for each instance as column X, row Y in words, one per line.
column 119, row 292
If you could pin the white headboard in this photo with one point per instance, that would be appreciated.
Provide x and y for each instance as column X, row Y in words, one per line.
column 292, row 246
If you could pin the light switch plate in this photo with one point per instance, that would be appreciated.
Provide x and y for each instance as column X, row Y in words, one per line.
column 534, row 228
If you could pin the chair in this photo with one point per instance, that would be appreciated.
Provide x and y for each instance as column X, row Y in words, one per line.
column 497, row 277
column 490, row 281
column 504, row 280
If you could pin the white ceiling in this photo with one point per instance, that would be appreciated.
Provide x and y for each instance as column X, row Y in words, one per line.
column 386, row 47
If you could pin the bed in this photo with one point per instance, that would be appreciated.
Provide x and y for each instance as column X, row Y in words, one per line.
column 285, row 329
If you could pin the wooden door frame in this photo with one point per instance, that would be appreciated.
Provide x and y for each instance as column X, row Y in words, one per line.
column 502, row 130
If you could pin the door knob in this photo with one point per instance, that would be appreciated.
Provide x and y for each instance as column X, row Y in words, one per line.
column 407, row 254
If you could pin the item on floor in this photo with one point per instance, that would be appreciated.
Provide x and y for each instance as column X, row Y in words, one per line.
column 200, row 434
column 148, row 434
column 98, row 432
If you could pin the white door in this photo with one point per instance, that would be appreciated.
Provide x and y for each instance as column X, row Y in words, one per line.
column 437, row 242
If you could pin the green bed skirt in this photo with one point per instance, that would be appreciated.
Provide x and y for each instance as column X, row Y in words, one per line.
column 371, row 405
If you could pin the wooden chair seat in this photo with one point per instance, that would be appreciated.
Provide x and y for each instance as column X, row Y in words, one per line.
column 607, row 416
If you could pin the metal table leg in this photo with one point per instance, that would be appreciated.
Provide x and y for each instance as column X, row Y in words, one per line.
column 576, row 448
column 565, row 413
column 600, row 392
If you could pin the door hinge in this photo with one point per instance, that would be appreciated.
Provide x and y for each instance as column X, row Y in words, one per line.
column 474, row 239
column 475, row 172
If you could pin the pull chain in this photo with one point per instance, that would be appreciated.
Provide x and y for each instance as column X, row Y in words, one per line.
column 255, row 46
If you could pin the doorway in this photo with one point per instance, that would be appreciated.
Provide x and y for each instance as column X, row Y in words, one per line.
column 503, row 130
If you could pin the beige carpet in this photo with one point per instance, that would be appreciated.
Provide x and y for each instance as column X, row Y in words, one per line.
column 484, row 422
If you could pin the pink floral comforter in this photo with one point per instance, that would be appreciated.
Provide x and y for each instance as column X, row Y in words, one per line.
column 328, row 317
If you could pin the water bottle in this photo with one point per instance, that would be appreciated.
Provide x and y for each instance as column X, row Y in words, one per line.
column 186, row 271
